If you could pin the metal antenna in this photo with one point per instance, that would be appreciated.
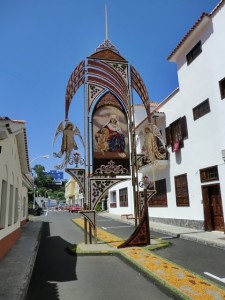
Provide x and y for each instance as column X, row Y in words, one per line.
column 106, row 23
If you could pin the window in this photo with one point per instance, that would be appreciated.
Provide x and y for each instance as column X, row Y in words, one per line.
column 123, row 197
column 113, row 199
column 16, row 207
column 24, row 207
column 209, row 174
column 194, row 53
column 175, row 133
column 11, row 197
column 222, row 88
column 181, row 188
column 201, row 109
column 3, row 202
column 160, row 198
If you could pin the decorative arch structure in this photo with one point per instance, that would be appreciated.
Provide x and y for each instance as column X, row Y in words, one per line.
column 106, row 70
column 110, row 153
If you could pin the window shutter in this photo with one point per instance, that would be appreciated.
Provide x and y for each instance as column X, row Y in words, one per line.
column 181, row 190
column 168, row 135
column 183, row 123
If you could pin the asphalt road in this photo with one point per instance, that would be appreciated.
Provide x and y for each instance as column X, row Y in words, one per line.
column 60, row 275
column 191, row 255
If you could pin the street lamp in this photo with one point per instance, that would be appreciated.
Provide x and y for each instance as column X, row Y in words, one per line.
column 46, row 193
column 42, row 156
column 145, row 181
column 48, row 197
column 77, row 159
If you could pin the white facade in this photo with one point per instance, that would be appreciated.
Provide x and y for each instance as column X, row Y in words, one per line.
column 14, row 177
column 198, row 81
column 72, row 194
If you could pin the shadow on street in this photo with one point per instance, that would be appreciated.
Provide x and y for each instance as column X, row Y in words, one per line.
column 54, row 263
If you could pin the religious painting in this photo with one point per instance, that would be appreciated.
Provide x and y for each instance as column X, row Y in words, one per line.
column 110, row 139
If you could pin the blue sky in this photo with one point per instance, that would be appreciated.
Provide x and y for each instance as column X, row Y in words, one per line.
column 42, row 41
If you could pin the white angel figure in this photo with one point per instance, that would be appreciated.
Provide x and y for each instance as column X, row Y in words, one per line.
column 68, row 142
column 150, row 147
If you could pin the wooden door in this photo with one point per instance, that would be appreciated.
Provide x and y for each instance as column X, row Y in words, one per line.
column 213, row 210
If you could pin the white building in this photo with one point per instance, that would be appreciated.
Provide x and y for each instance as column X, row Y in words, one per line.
column 14, row 182
column 191, row 183
column 72, row 194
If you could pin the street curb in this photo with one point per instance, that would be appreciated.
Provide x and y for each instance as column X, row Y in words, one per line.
column 202, row 241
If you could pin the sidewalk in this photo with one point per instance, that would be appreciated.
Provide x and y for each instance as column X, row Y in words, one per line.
column 17, row 266
column 213, row 238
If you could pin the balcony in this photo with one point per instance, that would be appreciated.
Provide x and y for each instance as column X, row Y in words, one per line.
column 144, row 163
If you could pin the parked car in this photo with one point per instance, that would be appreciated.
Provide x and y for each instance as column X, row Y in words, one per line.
column 74, row 208
column 66, row 207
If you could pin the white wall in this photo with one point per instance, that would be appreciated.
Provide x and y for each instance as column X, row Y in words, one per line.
column 122, row 210
column 11, row 173
column 198, row 82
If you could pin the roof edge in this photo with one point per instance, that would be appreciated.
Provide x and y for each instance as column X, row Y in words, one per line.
column 199, row 24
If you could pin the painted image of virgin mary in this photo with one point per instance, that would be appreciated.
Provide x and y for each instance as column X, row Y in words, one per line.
column 115, row 137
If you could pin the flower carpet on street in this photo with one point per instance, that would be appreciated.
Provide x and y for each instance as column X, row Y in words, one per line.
column 186, row 283
column 102, row 235
column 189, row 284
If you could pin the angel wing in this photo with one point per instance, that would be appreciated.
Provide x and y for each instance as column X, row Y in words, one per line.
column 58, row 131
column 140, row 139
column 77, row 132
column 157, row 133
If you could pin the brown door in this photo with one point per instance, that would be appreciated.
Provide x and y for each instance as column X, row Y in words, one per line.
column 213, row 207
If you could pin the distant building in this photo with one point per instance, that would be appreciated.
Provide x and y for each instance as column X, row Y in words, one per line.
column 15, row 180
column 72, row 194
column 57, row 175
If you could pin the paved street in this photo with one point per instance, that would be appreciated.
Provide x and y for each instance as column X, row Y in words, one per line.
column 59, row 275
column 199, row 258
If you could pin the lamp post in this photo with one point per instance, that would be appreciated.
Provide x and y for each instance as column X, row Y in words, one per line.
column 46, row 193
column 34, row 197
column 47, row 198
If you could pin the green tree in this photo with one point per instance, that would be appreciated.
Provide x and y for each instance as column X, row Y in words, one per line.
column 45, row 186
column 41, row 180
column 60, row 196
